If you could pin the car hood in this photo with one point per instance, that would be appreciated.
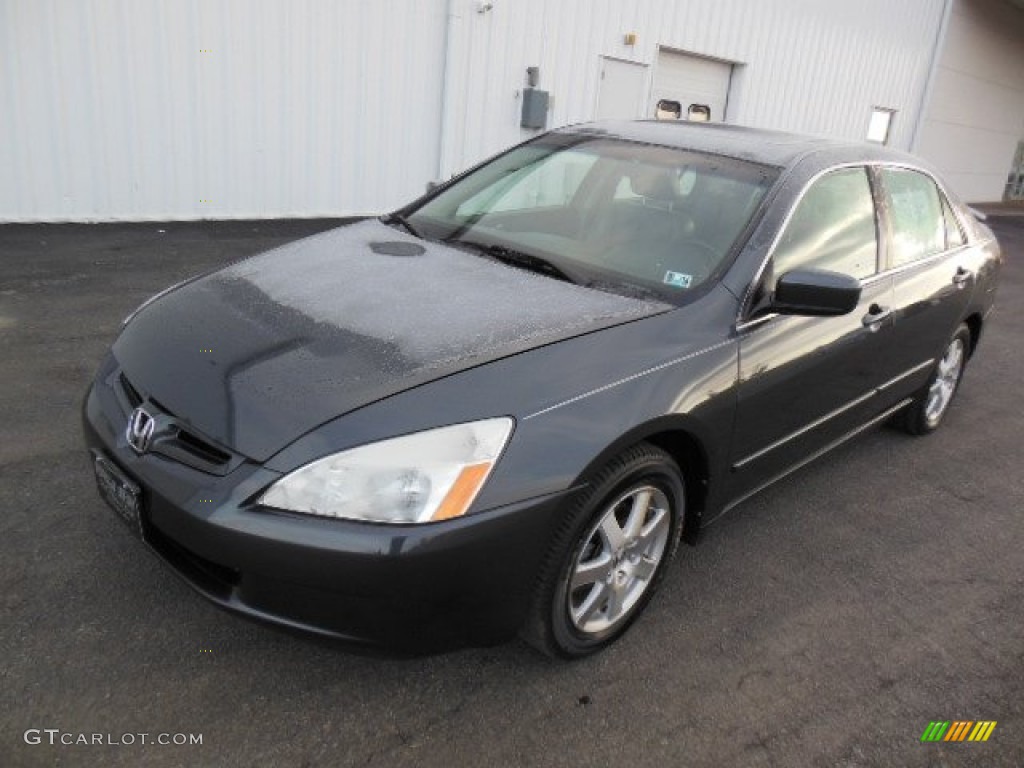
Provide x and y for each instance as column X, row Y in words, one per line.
column 259, row 353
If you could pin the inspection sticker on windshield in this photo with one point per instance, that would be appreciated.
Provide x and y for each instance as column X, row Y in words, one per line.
column 677, row 279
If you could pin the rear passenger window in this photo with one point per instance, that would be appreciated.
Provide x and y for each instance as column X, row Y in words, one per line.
column 918, row 222
column 833, row 228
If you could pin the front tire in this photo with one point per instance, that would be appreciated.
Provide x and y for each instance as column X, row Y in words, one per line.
column 610, row 554
column 925, row 413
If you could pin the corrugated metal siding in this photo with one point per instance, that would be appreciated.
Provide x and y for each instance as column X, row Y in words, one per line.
column 813, row 66
column 113, row 109
column 140, row 109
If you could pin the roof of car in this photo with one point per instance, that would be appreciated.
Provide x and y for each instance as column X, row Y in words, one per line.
column 754, row 144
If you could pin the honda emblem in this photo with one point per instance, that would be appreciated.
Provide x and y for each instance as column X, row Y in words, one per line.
column 140, row 430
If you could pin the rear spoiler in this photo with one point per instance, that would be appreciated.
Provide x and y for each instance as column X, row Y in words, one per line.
column 979, row 215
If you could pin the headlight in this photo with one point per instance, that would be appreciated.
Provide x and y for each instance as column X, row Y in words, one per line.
column 418, row 478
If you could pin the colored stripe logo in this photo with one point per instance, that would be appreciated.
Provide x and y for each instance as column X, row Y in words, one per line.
column 958, row 730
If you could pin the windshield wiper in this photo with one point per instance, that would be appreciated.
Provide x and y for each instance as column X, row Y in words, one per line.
column 397, row 218
column 519, row 259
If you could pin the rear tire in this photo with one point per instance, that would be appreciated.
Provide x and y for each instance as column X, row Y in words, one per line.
column 925, row 413
column 609, row 555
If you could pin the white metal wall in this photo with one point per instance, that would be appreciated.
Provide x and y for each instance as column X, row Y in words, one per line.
column 814, row 66
column 182, row 109
column 975, row 115
column 177, row 109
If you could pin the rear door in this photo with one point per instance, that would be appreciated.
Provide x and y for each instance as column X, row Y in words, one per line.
column 804, row 381
column 931, row 268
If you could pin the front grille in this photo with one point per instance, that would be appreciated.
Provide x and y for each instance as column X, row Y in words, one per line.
column 176, row 440
column 131, row 394
column 202, row 449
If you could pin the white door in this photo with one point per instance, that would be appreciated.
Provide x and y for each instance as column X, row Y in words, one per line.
column 621, row 92
column 691, row 80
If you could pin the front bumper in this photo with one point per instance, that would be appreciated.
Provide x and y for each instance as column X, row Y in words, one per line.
column 409, row 589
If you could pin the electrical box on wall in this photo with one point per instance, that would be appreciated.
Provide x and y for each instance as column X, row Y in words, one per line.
column 535, row 109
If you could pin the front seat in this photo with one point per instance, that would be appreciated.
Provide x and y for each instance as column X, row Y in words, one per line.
column 641, row 233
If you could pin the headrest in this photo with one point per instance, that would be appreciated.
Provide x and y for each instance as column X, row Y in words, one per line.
column 656, row 183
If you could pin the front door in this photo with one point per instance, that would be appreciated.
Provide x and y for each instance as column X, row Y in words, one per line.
column 806, row 381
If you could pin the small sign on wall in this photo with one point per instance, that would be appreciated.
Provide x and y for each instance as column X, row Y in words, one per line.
column 880, row 125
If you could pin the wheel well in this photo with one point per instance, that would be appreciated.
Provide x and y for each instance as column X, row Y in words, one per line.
column 689, row 454
column 974, row 325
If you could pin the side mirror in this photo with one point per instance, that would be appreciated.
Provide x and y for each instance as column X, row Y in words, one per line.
column 815, row 292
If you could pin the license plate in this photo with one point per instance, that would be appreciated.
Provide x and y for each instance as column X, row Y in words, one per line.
column 120, row 493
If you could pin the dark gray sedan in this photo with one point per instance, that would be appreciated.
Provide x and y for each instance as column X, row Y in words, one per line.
column 499, row 409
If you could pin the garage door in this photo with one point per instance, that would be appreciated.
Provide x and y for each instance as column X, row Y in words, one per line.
column 691, row 80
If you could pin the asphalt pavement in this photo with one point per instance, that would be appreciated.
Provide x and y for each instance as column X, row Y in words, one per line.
column 825, row 622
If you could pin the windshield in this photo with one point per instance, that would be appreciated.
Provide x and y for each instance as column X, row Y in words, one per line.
column 614, row 214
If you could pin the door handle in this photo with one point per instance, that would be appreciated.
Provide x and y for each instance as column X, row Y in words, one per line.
column 961, row 277
column 876, row 314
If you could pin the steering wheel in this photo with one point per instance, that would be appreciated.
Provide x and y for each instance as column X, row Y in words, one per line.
column 709, row 253
column 694, row 257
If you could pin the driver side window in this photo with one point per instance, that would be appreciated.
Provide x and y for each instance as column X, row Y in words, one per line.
column 833, row 227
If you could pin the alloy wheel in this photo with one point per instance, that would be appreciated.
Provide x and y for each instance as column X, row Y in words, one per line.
column 947, row 376
column 618, row 559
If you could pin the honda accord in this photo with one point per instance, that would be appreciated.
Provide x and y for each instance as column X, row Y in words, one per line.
column 499, row 409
